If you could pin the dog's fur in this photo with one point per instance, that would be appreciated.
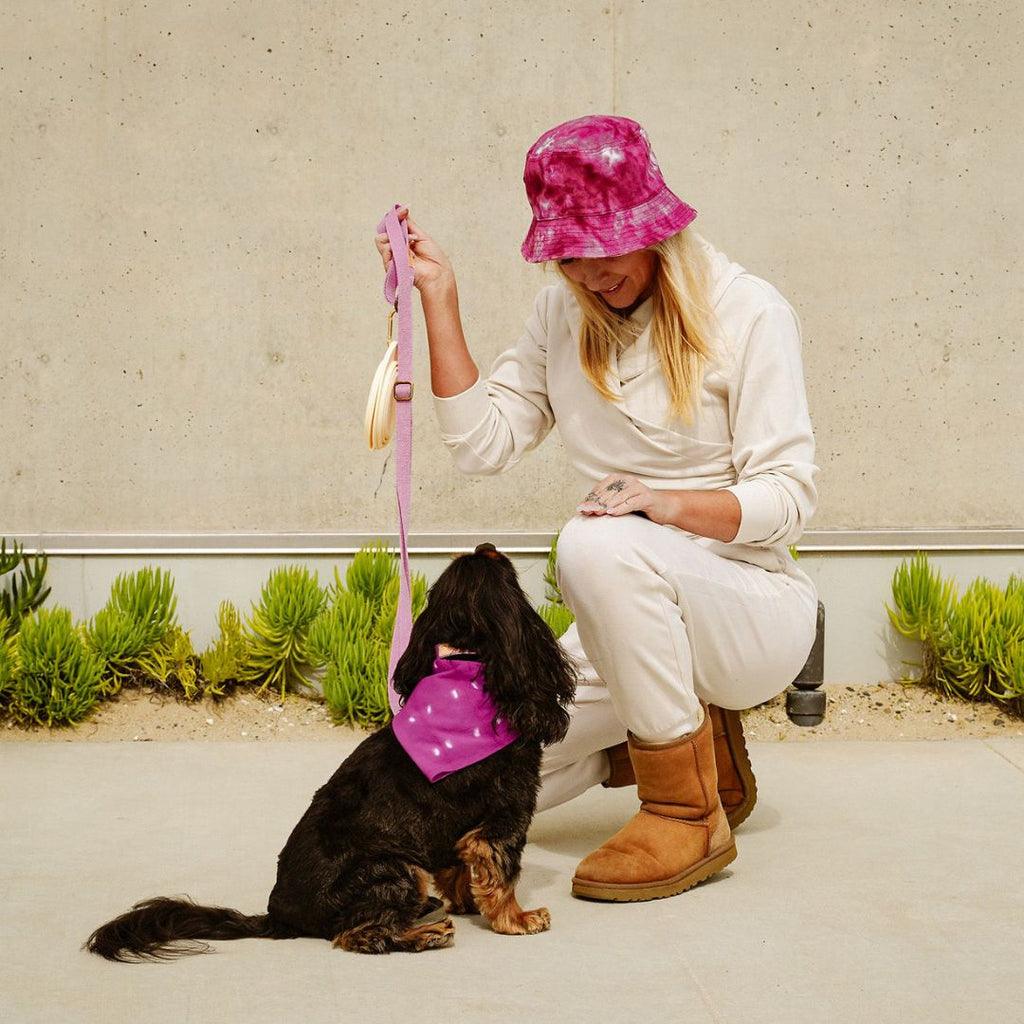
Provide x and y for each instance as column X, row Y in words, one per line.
column 357, row 868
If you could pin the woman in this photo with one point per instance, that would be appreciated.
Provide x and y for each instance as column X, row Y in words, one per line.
column 675, row 379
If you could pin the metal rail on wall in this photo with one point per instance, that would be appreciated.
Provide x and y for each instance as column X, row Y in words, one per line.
column 524, row 543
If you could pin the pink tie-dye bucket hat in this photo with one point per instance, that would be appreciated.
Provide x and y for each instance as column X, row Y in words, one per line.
column 596, row 190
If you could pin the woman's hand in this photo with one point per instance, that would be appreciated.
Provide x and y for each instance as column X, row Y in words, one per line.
column 431, row 268
column 620, row 494
column 452, row 369
column 706, row 513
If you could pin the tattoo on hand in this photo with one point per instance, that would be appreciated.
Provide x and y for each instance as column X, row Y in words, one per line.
column 616, row 485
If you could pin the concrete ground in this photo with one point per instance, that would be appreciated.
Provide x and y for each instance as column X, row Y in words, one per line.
column 875, row 882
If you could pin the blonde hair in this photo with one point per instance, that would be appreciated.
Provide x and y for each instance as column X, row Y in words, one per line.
column 683, row 323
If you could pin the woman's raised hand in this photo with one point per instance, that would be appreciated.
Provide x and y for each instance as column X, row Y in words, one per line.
column 431, row 268
column 452, row 369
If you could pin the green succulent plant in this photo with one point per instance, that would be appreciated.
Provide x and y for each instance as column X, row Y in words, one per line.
column 59, row 680
column 24, row 591
column 972, row 644
column 223, row 661
column 1007, row 680
column 963, row 649
column 344, row 641
column 554, row 611
column 923, row 599
column 557, row 616
column 275, row 635
column 131, row 631
column 552, row 593
column 370, row 573
column 351, row 640
column 173, row 664
column 7, row 670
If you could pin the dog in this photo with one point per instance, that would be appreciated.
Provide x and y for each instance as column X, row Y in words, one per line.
column 357, row 868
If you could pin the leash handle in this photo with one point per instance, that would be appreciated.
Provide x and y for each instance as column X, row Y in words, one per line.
column 398, row 292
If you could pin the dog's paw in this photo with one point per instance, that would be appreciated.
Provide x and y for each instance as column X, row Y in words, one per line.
column 526, row 922
column 364, row 939
column 534, row 921
column 438, row 935
column 379, row 939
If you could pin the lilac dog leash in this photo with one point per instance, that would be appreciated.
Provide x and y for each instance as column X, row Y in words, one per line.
column 398, row 293
column 449, row 721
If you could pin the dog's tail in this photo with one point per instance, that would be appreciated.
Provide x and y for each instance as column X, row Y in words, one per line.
column 165, row 928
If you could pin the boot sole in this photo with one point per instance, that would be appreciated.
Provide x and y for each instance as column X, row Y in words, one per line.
column 613, row 892
column 739, row 813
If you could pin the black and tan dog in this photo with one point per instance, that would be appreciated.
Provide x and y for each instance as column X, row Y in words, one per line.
column 357, row 868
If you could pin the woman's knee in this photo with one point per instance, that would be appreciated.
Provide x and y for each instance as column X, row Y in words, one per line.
column 606, row 550
column 589, row 550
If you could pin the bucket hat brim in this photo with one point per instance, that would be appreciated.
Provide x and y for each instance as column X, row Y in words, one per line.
column 594, row 235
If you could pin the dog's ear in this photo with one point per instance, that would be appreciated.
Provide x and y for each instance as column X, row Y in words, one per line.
column 417, row 660
column 531, row 679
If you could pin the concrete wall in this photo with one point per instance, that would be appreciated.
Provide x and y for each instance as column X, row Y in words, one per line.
column 190, row 307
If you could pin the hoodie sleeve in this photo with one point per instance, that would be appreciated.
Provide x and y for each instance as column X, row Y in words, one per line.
column 489, row 427
column 773, row 446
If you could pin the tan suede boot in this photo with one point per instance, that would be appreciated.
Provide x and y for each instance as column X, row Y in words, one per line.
column 679, row 837
column 737, row 787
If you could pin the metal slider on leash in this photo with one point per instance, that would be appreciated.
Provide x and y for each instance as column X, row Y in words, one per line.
column 404, row 395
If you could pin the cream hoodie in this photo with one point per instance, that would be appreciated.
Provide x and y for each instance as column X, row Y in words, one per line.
column 752, row 435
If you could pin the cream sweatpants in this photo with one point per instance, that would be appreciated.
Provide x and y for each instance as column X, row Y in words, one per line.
column 661, row 624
